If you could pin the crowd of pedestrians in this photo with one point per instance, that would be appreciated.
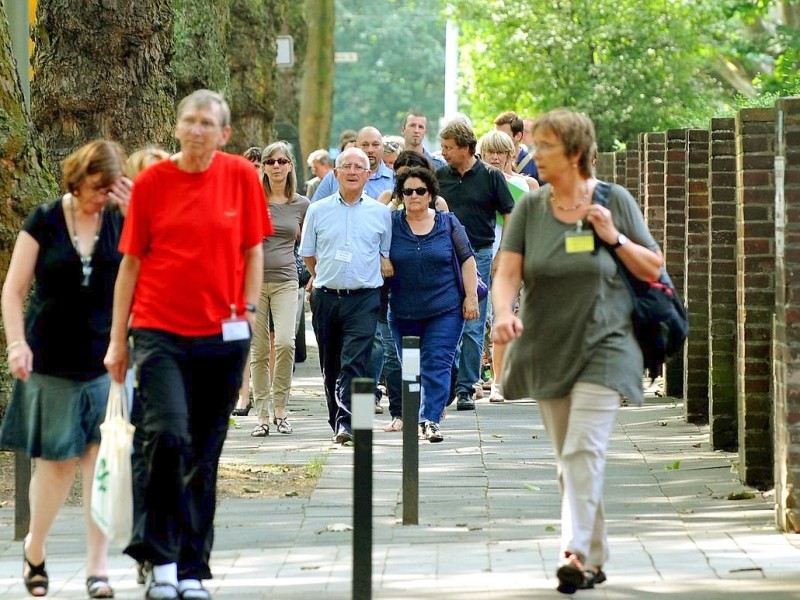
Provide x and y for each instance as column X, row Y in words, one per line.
column 190, row 281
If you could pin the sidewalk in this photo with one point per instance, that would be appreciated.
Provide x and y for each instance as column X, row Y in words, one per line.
column 489, row 515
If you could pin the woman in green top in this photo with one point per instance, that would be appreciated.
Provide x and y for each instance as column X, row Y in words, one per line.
column 572, row 344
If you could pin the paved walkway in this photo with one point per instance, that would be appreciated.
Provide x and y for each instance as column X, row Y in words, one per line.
column 488, row 517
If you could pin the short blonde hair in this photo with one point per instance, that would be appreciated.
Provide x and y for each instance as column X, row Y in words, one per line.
column 143, row 158
column 496, row 141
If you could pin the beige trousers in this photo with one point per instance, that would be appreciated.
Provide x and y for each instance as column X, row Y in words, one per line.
column 580, row 427
column 280, row 299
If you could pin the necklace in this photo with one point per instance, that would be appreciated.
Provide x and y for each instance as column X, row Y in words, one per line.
column 86, row 261
column 575, row 206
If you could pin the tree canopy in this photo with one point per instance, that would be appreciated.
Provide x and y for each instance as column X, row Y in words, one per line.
column 400, row 66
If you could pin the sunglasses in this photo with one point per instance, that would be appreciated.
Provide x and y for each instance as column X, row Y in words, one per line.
column 420, row 191
column 280, row 161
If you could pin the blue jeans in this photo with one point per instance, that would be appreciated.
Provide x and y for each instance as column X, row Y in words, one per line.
column 471, row 350
column 385, row 360
column 438, row 339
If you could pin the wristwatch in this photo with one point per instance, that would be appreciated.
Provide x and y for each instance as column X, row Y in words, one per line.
column 621, row 240
column 250, row 307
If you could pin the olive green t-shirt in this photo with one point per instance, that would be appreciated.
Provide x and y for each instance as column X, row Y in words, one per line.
column 575, row 309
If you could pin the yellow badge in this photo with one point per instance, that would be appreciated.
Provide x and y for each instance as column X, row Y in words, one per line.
column 579, row 241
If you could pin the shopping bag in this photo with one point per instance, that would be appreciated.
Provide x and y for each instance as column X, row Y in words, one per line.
column 112, row 492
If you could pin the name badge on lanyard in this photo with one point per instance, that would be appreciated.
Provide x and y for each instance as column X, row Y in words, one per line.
column 235, row 328
column 579, row 241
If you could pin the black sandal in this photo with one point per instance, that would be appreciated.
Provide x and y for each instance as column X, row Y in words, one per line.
column 571, row 575
column 283, row 425
column 260, row 431
column 36, row 577
column 97, row 587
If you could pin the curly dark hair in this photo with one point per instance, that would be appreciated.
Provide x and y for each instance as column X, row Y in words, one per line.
column 425, row 175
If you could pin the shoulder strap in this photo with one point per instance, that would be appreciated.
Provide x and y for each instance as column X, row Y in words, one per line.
column 518, row 168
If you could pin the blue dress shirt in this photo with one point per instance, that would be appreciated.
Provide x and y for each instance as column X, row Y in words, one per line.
column 380, row 181
column 348, row 241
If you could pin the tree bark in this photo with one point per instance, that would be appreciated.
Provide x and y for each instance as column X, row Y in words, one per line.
column 287, row 105
column 316, row 98
column 101, row 71
column 201, row 46
column 254, row 25
column 24, row 180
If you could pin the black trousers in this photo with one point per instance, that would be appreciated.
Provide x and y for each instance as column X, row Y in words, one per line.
column 186, row 389
column 344, row 326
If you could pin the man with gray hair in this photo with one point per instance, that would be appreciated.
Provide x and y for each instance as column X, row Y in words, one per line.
column 345, row 244
column 200, row 214
column 320, row 163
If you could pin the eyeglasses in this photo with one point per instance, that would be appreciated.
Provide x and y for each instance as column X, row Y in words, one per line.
column 280, row 161
column 543, row 148
column 420, row 191
column 352, row 167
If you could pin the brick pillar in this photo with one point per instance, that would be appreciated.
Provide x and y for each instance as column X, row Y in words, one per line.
column 723, row 412
column 621, row 168
column 675, row 238
column 654, row 153
column 755, row 290
column 632, row 170
column 695, row 405
column 604, row 169
column 786, row 352
column 642, row 196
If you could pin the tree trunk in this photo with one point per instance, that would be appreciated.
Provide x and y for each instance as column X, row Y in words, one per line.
column 287, row 106
column 24, row 181
column 100, row 71
column 254, row 25
column 201, row 46
column 316, row 98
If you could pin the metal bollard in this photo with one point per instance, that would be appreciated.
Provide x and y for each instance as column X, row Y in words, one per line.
column 411, row 400
column 362, row 404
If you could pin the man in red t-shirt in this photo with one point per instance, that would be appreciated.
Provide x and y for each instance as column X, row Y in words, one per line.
column 188, row 281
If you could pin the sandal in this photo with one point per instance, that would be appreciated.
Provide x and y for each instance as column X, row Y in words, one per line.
column 200, row 593
column 283, row 425
column 570, row 574
column 161, row 591
column 592, row 578
column 36, row 576
column 395, row 425
column 97, row 587
column 261, row 430
column 242, row 412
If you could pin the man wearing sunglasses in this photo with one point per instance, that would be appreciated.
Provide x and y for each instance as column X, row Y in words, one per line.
column 380, row 178
column 345, row 244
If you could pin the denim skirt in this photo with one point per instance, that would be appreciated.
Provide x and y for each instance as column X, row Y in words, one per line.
column 55, row 418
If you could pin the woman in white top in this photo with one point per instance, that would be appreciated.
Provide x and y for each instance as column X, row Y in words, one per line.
column 496, row 148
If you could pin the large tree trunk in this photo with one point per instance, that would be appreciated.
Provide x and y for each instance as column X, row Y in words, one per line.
column 254, row 25
column 316, row 98
column 24, row 181
column 201, row 46
column 287, row 105
column 100, row 71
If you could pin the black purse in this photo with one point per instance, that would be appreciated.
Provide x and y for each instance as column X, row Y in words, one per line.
column 303, row 274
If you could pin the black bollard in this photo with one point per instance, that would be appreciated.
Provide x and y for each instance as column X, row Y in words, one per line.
column 362, row 404
column 411, row 399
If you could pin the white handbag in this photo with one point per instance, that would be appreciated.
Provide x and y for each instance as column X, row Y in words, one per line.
column 112, row 491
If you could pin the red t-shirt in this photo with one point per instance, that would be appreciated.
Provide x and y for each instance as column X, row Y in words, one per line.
column 190, row 231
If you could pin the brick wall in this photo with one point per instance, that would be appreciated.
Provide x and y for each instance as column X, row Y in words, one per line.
column 621, row 168
column 755, row 291
column 632, row 167
column 675, row 238
column 696, row 281
column 723, row 412
column 653, row 178
column 786, row 342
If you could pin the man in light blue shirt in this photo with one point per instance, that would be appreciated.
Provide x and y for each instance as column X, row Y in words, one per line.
column 345, row 244
column 381, row 177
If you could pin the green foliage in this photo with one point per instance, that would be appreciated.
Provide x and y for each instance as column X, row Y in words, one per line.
column 631, row 65
column 400, row 46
